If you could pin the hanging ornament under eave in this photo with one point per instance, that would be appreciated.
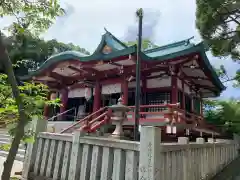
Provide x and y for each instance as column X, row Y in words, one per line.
column 88, row 93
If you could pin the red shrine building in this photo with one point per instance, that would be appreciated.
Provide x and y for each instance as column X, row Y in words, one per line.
column 176, row 76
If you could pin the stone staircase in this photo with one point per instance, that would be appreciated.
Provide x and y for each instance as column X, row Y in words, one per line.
column 6, row 139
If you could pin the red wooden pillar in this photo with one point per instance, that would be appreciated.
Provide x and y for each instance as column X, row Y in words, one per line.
column 174, row 94
column 144, row 90
column 64, row 100
column 46, row 108
column 201, row 106
column 192, row 101
column 97, row 97
column 183, row 96
column 125, row 91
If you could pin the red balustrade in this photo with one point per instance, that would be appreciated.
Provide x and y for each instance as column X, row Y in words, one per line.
column 171, row 113
column 85, row 121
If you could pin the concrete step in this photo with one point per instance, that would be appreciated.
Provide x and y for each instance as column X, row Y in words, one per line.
column 19, row 157
column 20, row 151
column 5, row 135
column 3, row 131
column 5, row 139
column 21, row 146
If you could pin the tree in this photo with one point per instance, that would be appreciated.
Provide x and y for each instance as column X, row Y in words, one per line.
column 218, row 22
column 225, row 114
column 34, row 99
column 31, row 17
column 28, row 52
column 146, row 44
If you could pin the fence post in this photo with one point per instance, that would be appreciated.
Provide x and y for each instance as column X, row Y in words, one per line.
column 236, row 139
column 185, row 141
column 37, row 125
column 150, row 153
column 76, row 156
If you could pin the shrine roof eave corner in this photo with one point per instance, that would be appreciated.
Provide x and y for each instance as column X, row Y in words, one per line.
column 198, row 48
column 73, row 55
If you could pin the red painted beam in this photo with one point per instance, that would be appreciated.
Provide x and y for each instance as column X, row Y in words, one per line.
column 184, row 77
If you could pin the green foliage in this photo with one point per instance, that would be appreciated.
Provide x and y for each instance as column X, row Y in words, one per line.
column 31, row 16
column 219, row 24
column 225, row 114
column 5, row 147
column 28, row 52
column 146, row 44
column 34, row 100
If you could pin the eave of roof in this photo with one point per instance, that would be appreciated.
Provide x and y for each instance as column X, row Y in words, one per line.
column 162, row 53
column 73, row 55
column 179, row 44
column 198, row 48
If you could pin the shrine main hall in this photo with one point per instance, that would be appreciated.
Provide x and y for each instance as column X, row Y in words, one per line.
column 175, row 73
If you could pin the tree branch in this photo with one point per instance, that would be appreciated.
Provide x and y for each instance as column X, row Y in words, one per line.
column 230, row 16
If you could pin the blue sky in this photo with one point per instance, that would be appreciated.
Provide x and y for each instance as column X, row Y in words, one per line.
column 165, row 21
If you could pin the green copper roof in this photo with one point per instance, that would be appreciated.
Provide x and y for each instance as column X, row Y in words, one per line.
column 169, row 49
column 73, row 55
column 118, row 48
column 181, row 50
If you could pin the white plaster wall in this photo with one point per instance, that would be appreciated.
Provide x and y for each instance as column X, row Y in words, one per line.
column 111, row 88
column 179, row 83
column 79, row 92
column 186, row 89
column 132, row 84
column 155, row 83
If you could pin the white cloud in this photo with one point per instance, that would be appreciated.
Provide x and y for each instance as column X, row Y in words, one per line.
column 85, row 25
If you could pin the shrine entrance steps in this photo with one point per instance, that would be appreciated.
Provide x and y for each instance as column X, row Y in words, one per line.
column 5, row 141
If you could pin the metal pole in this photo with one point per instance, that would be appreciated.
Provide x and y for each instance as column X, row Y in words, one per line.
column 139, row 14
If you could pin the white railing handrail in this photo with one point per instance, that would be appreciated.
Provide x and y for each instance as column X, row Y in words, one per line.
column 63, row 114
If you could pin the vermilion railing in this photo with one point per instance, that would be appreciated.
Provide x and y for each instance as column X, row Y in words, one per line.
column 158, row 116
column 171, row 113
column 190, row 117
column 85, row 120
column 97, row 122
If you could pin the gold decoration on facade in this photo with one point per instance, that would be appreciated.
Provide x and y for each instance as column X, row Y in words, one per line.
column 100, row 62
column 106, row 50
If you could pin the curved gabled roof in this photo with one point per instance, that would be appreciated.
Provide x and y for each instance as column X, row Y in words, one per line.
column 110, row 40
column 182, row 49
column 73, row 55
column 118, row 48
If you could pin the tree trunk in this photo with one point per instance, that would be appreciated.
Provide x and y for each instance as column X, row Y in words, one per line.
column 8, row 68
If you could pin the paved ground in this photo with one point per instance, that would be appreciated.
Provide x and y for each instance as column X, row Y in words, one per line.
column 17, row 166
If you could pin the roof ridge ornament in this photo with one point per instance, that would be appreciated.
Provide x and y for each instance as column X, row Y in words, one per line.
column 106, row 29
column 187, row 41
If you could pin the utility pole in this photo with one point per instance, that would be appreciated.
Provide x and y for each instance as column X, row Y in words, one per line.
column 139, row 14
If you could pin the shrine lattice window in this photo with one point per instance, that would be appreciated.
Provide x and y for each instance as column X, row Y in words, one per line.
column 158, row 98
